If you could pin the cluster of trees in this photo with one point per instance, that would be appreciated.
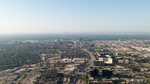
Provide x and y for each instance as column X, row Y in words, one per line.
column 15, row 55
column 114, row 59
column 146, row 60
column 86, row 78
column 134, row 68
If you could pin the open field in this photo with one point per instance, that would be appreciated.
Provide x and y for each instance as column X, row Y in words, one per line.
column 146, row 65
column 98, row 49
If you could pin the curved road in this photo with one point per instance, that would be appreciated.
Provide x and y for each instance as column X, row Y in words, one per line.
column 91, row 63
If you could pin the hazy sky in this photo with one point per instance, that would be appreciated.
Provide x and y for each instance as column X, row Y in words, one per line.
column 52, row 16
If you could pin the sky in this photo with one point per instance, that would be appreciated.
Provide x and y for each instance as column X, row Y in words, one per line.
column 58, row 16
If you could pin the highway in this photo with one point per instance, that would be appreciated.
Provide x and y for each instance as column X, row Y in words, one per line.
column 86, row 67
column 91, row 63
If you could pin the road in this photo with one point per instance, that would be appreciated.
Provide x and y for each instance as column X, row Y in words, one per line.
column 86, row 67
column 59, row 51
column 91, row 63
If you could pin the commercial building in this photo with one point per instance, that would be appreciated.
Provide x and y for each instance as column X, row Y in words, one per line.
column 107, row 73
column 107, row 60
column 78, row 60
column 94, row 73
column 66, row 60
column 98, row 63
column 70, row 68
column 52, row 72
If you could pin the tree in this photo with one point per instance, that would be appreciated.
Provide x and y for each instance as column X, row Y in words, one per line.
column 86, row 79
column 106, row 77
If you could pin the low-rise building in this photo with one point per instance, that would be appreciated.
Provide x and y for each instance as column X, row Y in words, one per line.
column 126, row 61
column 78, row 60
column 120, row 61
column 107, row 60
column 98, row 63
column 100, row 82
column 133, row 81
column 144, row 69
column 66, row 60
column 21, row 70
column 70, row 68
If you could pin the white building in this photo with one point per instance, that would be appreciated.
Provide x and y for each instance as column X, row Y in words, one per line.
column 148, row 49
column 66, row 60
column 70, row 68
column 79, row 60
column 108, row 56
column 107, row 60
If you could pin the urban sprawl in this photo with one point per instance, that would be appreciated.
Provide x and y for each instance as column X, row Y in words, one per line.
column 70, row 61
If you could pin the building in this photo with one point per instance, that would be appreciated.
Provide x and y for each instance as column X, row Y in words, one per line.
column 98, row 63
column 66, row 60
column 81, row 39
column 126, row 61
column 123, row 61
column 94, row 73
column 100, row 82
column 128, row 54
column 105, row 50
column 78, row 60
column 107, row 73
column 133, row 81
column 70, row 68
column 92, row 45
column 21, row 70
column 52, row 72
column 108, row 56
column 143, row 69
column 147, row 55
column 56, row 58
column 91, row 48
column 107, row 60
column 120, row 61
column 148, row 49
column 119, row 58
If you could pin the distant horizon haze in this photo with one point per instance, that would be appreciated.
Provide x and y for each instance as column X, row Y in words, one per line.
column 63, row 33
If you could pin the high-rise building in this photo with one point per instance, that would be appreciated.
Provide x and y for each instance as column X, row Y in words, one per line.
column 94, row 73
column 81, row 39
column 107, row 73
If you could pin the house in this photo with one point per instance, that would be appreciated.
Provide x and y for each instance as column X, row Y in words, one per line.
column 121, row 61
column 143, row 69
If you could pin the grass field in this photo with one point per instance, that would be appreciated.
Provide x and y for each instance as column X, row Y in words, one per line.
column 146, row 65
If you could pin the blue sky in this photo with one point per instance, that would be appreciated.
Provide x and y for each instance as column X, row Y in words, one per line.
column 55, row 16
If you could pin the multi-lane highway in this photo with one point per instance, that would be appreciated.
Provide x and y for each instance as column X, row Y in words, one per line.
column 91, row 63
column 86, row 67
